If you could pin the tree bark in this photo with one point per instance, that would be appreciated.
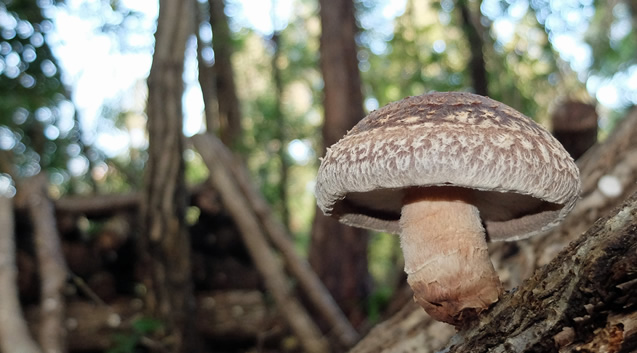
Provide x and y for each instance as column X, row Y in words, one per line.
column 14, row 333
column 338, row 253
column 207, row 76
column 228, row 102
column 52, row 266
column 164, row 244
column 585, row 298
column 574, row 124
column 474, row 38
column 254, row 239
column 281, row 133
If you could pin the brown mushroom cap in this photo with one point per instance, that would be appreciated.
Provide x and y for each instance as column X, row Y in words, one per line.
column 522, row 179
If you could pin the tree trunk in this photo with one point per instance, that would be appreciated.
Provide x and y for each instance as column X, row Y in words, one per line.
column 164, row 245
column 339, row 253
column 281, row 134
column 228, row 102
column 473, row 35
column 207, row 76
column 14, row 333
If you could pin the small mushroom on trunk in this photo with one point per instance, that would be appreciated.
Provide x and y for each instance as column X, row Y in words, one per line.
column 449, row 172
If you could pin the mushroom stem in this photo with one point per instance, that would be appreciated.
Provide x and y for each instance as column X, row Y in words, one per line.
column 446, row 255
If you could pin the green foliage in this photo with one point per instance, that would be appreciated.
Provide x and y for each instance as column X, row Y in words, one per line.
column 129, row 342
column 35, row 122
column 612, row 37
column 273, row 120
column 421, row 56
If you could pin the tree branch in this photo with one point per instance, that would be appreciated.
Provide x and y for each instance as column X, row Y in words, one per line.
column 309, row 282
column 14, row 333
column 52, row 266
column 264, row 259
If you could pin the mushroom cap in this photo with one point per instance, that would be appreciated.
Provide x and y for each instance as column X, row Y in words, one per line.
column 520, row 178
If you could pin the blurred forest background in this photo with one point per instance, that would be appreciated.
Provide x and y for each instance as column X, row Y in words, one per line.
column 159, row 157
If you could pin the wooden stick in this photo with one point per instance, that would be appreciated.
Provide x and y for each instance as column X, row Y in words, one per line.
column 52, row 266
column 255, row 241
column 309, row 282
column 14, row 333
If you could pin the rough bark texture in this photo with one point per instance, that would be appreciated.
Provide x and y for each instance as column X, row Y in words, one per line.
column 339, row 253
column 52, row 266
column 515, row 262
column 229, row 112
column 262, row 255
column 14, row 333
column 589, row 288
column 164, row 245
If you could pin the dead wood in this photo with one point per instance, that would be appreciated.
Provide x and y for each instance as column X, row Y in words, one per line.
column 14, row 333
column 52, row 266
column 589, row 287
column 255, row 241
column 222, row 317
column 95, row 206
column 309, row 282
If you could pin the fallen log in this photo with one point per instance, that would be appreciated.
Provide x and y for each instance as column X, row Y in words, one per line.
column 586, row 296
column 227, row 317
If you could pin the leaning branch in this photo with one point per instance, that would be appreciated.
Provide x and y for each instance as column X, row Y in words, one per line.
column 52, row 266
column 309, row 282
column 14, row 333
column 265, row 260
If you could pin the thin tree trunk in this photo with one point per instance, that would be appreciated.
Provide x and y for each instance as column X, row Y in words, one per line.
column 473, row 35
column 281, row 133
column 228, row 102
column 14, row 333
column 52, row 266
column 207, row 77
column 339, row 253
column 164, row 244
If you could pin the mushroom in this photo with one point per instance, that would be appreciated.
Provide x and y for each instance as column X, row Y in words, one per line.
column 448, row 172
